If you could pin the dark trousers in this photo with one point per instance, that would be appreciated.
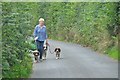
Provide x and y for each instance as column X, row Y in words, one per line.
column 40, row 47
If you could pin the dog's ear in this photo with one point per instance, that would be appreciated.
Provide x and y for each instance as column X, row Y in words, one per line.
column 59, row 49
column 34, row 53
column 55, row 49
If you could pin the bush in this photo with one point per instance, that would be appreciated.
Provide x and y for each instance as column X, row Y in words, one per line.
column 89, row 24
column 17, row 21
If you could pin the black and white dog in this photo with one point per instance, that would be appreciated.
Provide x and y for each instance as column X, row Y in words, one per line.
column 36, row 54
column 57, row 52
column 45, row 48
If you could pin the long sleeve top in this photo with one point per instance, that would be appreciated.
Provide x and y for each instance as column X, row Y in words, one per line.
column 40, row 33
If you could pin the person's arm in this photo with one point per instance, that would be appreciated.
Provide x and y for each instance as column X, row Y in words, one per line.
column 35, row 33
column 46, row 38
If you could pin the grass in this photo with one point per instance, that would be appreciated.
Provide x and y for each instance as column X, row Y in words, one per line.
column 113, row 53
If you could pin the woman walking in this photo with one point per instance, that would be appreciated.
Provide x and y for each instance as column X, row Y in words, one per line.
column 40, row 36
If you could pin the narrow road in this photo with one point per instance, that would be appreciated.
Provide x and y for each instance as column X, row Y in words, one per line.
column 76, row 62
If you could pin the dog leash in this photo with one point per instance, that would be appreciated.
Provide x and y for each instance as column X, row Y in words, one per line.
column 50, row 50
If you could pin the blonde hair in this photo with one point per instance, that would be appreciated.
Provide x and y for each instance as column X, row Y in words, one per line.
column 41, row 19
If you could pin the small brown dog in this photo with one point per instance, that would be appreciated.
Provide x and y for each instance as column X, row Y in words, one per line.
column 57, row 51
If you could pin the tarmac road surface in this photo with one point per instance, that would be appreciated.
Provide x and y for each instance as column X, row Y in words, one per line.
column 76, row 62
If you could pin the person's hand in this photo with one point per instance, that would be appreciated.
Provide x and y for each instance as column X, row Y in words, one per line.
column 47, row 43
column 36, row 38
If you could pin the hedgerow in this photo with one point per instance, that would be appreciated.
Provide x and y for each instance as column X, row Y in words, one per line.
column 17, row 20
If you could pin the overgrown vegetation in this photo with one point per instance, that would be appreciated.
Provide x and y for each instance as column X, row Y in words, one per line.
column 89, row 24
column 17, row 19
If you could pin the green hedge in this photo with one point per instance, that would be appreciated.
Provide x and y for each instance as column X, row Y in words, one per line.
column 89, row 24
column 18, row 23
column 92, row 24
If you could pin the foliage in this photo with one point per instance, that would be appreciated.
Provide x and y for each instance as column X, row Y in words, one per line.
column 93, row 24
column 32, row 43
column 89, row 24
column 17, row 19
column 113, row 52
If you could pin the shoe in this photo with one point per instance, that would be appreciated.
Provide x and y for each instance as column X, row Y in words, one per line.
column 41, row 60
